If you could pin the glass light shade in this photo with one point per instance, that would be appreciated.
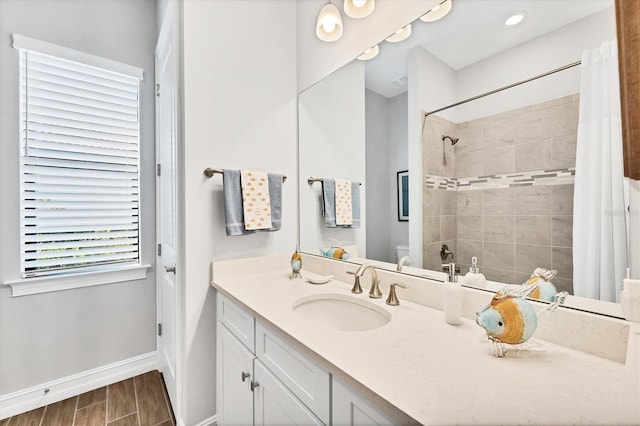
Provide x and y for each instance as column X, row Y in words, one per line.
column 358, row 8
column 438, row 12
column 329, row 25
column 402, row 34
column 369, row 53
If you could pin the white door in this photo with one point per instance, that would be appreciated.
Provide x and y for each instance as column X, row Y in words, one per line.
column 166, row 202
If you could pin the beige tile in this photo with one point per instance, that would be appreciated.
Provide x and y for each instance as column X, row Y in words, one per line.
column 530, row 257
column 446, row 228
column 499, row 133
column 470, row 139
column 446, row 202
column 431, row 202
column 152, row 407
column 89, row 398
column 499, row 275
column 499, row 160
column 499, row 256
column 121, row 400
column 432, row 134
column 562, row 199
column 432, row 229
column 469, row 228
column 534, row 200
column 564, row 119
column 30, row 418
column 562, row 261
column 449, row 164
column 431, row 257
column 467, row 249
column 521, row 277
column 534, row 125
column 563, row 284
column 469, row 164
column 533, row 156
column 433, row 162
column 562, row 231
column 533, row 230
column 498, row 229
column 92, row 415
column 499, row 201
column 61, row 413
column 469, row 203
column 563, row 152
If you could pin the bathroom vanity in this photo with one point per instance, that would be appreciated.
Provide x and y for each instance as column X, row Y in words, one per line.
column 277, row 365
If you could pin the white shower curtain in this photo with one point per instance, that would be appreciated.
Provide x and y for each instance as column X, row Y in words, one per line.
column 599, row 225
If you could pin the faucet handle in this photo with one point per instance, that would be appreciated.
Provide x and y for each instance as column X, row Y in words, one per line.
column 357, row 288
column 392, row 300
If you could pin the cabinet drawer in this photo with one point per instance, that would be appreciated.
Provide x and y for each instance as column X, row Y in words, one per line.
column 239, row 322
column 306, row 380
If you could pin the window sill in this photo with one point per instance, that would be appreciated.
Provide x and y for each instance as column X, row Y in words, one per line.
column 37, row 285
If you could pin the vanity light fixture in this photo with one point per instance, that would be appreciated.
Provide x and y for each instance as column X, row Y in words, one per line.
column 369, row 53
column 358, row 8
column 400, row 35
column 438, row 12
column 329, row 25
column 514, row 19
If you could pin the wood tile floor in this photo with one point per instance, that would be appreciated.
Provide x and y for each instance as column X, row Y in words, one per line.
column 139, row 401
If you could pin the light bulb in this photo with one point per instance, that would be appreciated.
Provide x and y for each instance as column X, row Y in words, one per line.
column 359, row 3
column 438, row 12
column 402, row 34
column 515, row 19
column 358, row 8
column 329, row 24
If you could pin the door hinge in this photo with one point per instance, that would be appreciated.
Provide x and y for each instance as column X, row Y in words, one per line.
column 159, row 249
column 157, row 89
column 158, row 169
column 159, row 329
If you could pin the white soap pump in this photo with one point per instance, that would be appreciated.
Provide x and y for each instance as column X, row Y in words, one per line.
column 474, row 277
column 452, row 296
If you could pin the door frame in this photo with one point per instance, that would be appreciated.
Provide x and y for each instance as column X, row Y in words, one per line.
column 171, row 27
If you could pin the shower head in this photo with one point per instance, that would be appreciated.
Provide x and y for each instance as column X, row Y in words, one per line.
column 453, row 140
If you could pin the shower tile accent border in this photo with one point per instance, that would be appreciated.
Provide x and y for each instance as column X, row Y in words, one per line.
column 506, row 180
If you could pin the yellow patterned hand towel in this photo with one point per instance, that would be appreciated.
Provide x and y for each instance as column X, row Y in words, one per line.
column 256, row 203
column 344, row 208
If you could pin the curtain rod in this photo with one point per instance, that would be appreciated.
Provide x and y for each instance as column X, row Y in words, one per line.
column 571, row 65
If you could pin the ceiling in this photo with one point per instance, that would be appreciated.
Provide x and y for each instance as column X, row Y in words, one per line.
column 474, row 30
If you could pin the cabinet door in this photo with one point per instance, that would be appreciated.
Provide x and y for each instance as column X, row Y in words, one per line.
column 275, row 404
column 233, row 388
column 349, row 409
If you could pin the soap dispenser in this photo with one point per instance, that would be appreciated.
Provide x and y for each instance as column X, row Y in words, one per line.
column 452, row 296
column 474, row 277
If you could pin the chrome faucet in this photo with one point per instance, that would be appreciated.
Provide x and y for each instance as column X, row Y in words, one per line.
column 374, row 292
column 393, row 298
column 404, row 260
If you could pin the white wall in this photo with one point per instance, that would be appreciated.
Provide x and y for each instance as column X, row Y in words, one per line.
column 398, row 161
column 378, row 171
column 332, row 145
column 54, row 335
column 239, row 113
column 317, row 59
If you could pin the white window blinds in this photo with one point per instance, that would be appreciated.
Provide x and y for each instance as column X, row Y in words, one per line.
column 80, row 180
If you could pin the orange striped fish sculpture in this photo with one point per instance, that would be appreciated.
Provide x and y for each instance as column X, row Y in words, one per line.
column 545, row 290
column 296, row 264
column 336, row 253
column 509, row 318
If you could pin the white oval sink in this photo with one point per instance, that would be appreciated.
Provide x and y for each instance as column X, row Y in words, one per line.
column 340, row 312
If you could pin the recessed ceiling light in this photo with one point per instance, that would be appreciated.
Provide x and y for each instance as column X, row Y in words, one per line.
column 514, row 19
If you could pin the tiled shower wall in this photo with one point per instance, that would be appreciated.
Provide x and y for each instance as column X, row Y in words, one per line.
column 511, row 227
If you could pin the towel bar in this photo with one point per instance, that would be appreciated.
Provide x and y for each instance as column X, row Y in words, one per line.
column 209, row 172
column 311, row 180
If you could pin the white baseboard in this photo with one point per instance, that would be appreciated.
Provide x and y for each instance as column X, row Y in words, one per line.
column 209, row 422
column 66, row 387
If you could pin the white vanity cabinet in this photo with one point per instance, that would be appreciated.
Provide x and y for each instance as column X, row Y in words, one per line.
column 350, row 409
column 271, row 384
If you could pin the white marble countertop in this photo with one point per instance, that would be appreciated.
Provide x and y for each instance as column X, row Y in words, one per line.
column 438, row 374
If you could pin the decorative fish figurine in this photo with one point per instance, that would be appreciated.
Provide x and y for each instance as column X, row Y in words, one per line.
column 336, row 253
column 296, row 264
column 545, row 290
column 509, row 318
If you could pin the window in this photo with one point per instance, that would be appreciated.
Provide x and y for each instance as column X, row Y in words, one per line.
column 79, row 124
